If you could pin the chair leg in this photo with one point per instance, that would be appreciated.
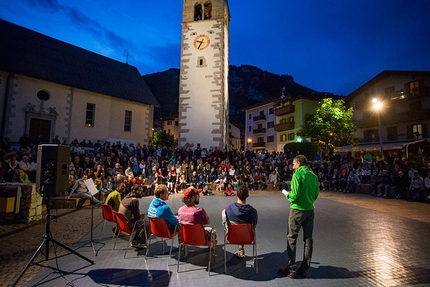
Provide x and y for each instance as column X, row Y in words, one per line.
column 179, row 256
column 225, row 259
column 147, row 246
column 210, row 259
column 116, row 238
column 101, row 231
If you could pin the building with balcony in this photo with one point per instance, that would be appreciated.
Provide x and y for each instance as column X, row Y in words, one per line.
column 404, row 115
column 259, row 127
column 272, row 124
column 290, row 115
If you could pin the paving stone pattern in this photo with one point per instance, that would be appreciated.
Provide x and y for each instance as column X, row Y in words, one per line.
column 358, row 241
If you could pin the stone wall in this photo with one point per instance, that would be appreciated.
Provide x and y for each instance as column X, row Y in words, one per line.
column 19, row 203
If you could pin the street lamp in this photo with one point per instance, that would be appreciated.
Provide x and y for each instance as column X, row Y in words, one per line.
column 249, row 143
column 377, row 106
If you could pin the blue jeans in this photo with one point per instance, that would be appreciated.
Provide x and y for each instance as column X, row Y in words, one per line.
column 91, row 198
column 296, row 220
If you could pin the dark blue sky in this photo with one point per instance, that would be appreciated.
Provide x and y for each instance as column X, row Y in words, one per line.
column 332, row 45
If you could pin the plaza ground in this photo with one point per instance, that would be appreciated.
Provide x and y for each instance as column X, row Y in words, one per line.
column 358, row 241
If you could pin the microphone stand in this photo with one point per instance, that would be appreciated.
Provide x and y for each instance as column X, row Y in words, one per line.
column 48, row 238
column 93, row 242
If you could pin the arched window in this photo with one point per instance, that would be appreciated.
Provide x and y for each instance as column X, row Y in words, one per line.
column 203, row 12
column 208, row 10
column 198, row 12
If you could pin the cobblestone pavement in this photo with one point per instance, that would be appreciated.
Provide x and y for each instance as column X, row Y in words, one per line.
column 18, row 247
column 19, row 242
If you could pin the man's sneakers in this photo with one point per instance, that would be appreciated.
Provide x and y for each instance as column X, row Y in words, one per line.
column 292, row 274
column 287, row 272
column 240, row 253
column 303, row 273
column 138, row 245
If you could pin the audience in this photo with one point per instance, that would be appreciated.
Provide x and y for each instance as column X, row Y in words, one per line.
column 110, row 164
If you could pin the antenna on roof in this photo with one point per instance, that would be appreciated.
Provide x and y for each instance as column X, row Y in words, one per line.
column 283, row 93
column 126, row 59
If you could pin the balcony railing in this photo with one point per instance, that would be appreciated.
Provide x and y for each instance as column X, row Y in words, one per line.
column 259, row 118
column 390, row 118
column 259, row 131
column 284, row 110
column 259, row 144
column 284, row 127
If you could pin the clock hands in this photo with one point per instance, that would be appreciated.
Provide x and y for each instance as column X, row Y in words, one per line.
column 200, row 43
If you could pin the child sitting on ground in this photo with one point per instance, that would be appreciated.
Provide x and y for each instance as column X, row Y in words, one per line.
column 229, row 191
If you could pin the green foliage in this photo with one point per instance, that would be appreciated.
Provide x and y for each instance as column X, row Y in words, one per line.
column 162, row 138
column 305, row 148
column 330, row 123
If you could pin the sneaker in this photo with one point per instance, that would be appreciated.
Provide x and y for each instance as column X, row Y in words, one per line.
column 398, row 196
column 240, row 253
column 428, row 197
column 287, row 272
column 303, row 273
column 379, row 195
column 138, row 245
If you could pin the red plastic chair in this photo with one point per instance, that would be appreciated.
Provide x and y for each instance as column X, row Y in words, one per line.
column 158, row 228
column 107, row 213
column 194, row 235
column 241, row 234
column 121, row 224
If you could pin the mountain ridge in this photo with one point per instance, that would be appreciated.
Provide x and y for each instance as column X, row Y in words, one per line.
column 248, row 85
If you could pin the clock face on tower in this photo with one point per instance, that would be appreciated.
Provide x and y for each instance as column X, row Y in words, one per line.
column 201, row 42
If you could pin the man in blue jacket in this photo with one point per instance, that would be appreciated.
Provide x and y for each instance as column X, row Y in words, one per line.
column 158, row 208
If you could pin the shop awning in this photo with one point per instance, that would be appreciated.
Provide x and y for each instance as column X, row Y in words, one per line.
column 376, row 146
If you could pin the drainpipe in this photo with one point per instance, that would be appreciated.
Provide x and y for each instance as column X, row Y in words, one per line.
column 6, row 98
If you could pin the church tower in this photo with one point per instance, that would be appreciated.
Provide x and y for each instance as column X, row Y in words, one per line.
column 203, row 87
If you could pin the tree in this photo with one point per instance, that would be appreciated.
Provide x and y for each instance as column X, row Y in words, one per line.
column 330, row 123
column 163, row 139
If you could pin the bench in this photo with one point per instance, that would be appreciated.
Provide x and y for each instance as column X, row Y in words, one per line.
column 366, row 188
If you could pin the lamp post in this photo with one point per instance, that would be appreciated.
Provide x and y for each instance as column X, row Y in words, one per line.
column 249, row 143
column 377, row 106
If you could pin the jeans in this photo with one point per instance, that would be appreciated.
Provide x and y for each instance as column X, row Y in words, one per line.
column 386, row 188
column 298, row 219
column 90, row 198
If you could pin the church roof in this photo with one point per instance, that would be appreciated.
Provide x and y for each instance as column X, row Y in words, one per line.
column 26, row 52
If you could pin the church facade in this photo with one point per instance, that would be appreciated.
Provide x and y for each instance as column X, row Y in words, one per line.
column 203, row 93
column 50, row 88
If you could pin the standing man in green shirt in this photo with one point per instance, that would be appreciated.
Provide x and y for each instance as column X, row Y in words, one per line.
column 304, row 192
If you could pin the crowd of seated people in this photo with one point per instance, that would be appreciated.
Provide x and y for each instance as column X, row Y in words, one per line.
column 382, row 175
column 109, row 164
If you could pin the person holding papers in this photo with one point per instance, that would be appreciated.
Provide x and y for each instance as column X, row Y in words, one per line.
column 81, row 189
column 304, row 192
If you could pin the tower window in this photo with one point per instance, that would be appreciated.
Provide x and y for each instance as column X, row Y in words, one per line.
column 203, row 11
column 201, row 62
column 208, row 10
column 198, row 12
